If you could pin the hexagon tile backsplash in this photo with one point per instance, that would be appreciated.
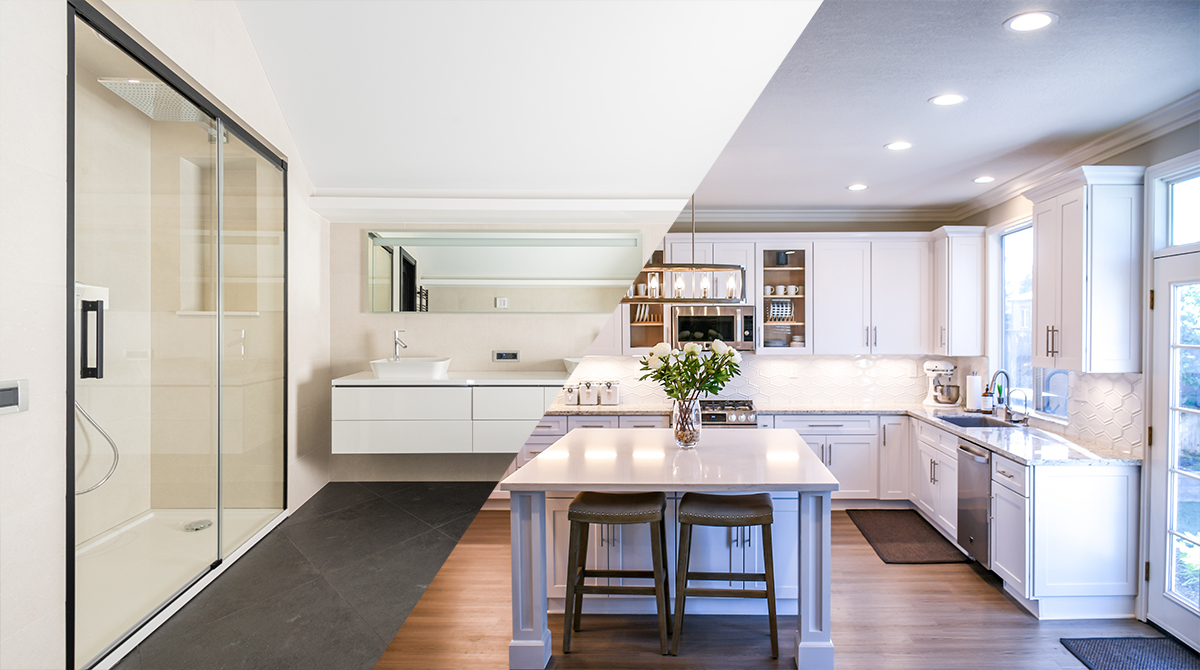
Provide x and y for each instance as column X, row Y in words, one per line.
column 1103, row 409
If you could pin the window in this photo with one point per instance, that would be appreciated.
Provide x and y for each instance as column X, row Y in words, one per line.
column 1184, row 205
column 1044, row 389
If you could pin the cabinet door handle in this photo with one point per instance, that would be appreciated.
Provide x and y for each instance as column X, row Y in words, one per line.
column 935, row 473
column 592, row 425
column 1054, row 340
column 1002, row 472
column 931, row 471
column 943, row 336
column 868, row 336
column 885, row 434
column 1047, row 341
column 875, row 336
column 825, row 425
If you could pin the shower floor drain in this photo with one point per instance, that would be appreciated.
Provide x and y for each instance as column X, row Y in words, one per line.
column 200, row 524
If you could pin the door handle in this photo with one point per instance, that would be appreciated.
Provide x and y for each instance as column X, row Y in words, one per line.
column 935, row 477
column 931, row 471
column 943, row 336
column 1054, row 341
column 93, row 371
column 885, row 434
column 868, row 329
column 1047, row 341
column 875, row 336
column 830, row 449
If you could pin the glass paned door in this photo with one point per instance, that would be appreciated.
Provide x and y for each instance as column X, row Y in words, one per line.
column 785, row 307
column 1174, row 595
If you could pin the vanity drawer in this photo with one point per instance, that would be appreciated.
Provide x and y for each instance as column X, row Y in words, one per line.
column 508, row 402
column 500, row 437
column 584, row 421
column 392, row 403
column 643, row 422
column 402, row 437
column 555, row 426
column 1009, row 473
column 830, row 424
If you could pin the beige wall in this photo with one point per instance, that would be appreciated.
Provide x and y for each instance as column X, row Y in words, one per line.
column 209, row 42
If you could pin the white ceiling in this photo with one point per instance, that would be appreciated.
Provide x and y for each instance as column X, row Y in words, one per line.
column 542, row 101
column 862, row 72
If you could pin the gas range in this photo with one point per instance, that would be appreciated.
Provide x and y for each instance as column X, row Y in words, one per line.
column 728, row 414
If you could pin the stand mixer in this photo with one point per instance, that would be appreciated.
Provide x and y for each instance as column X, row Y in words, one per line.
column 940, row 394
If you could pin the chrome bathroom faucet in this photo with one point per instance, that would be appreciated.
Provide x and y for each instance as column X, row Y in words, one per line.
column 399, row 343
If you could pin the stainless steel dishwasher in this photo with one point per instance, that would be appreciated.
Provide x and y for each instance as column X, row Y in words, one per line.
column 974, row 496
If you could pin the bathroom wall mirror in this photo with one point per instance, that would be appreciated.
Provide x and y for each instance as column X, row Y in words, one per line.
column 500, row 272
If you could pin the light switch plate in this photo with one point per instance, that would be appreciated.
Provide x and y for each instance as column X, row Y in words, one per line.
column 506, row 356
column 14, row 396
column 501, row 303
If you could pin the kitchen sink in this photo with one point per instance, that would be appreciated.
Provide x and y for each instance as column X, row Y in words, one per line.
column 977, row 422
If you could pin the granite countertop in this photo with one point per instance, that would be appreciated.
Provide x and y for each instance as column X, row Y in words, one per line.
column 1026, row 445
column 463, row 378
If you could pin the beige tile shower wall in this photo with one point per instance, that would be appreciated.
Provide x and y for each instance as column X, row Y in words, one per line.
column 209, row 41
column 33, row 299
column 112, row 231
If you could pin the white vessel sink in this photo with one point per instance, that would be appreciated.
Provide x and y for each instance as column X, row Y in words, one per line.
column 571, row 364
column 416, row 367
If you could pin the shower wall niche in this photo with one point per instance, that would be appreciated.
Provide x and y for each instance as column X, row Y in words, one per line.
column 179, row 263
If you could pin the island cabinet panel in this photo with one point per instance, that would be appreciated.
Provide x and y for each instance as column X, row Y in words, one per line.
column 894, row 459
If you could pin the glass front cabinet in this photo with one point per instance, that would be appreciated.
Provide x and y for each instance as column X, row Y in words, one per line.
column 784, row 310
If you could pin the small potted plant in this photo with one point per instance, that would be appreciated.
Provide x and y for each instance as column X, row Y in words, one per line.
column 684, row 375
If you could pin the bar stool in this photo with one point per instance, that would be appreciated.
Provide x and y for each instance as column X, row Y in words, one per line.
column 621, row 509
column 703, row 509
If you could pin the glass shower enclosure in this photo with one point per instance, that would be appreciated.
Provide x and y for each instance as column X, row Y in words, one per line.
column 178, row 259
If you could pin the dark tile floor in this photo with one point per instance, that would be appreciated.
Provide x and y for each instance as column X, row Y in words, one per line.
column 327, row 589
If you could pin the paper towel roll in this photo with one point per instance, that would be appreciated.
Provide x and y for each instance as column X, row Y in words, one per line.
column 974, row 393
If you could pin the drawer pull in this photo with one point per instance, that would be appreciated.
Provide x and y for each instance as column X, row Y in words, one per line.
column 545, row 425
column 1006, row 474
column 826, row 425
column 592, row 425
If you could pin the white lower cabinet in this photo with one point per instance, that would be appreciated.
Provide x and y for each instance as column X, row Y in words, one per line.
column 1010, row 551
column 935, row 477
column 894, row 467
column 847, row 444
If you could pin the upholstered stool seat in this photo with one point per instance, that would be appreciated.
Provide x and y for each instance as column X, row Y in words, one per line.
column 616, row 509
column 705, row 509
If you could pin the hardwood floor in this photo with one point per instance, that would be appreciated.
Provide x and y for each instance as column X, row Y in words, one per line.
column 885, row 617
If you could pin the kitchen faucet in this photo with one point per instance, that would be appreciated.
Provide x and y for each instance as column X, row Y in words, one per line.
column 1024, row 420
column 1007, row 383
column 399, row 343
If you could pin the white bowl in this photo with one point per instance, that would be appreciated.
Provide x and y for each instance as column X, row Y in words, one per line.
column 416, row 367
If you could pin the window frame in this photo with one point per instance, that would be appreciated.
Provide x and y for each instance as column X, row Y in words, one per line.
column 995, row 315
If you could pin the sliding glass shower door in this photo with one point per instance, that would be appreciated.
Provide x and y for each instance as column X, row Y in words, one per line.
column 178, row 263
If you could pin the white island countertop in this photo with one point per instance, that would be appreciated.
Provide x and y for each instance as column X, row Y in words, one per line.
column 464, row 378
column 639, row 459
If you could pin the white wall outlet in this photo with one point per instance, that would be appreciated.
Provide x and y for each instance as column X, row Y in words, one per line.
column 501, row 303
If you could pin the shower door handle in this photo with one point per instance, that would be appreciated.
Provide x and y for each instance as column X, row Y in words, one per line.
column 95, row 371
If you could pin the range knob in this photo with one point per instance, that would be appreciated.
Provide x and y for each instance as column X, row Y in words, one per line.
column 752, row 416
column 742, row 418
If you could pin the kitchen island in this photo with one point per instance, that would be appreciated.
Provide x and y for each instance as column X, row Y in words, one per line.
column 635, row 460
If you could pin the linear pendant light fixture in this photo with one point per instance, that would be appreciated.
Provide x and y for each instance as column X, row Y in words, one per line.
column 710, row 283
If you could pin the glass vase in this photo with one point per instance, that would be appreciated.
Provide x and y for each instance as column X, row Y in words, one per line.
column 685, row 422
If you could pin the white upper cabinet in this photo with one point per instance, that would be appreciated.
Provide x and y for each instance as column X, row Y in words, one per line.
column 841, row 298
column 737, row 253
column 900, row 297
column 1087, row 270
column 608, row 341
column 958, row 302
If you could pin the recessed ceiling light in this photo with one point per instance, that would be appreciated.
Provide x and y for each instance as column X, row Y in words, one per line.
column 947, row 99
column 856, row 187
column 135, row 81
column 898, row 146
column 984, row 180
column 1029, row 21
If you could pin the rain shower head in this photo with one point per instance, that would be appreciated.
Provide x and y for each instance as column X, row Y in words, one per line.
column 154, row 99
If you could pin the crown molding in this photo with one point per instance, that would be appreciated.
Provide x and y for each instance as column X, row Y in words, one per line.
column 899, row 215
column 1174, row 116
column 385, row 209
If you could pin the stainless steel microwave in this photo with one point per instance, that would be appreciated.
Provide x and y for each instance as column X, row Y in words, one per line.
column 732, row 324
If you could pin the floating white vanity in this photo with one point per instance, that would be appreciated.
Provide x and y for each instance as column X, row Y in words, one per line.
column 466, row 413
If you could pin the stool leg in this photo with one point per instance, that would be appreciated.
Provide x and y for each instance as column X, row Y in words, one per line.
column 681, row 570
column 584, row 534
column 660, row 583
column 769, row 568
column 573, row 575
column 666, row 562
